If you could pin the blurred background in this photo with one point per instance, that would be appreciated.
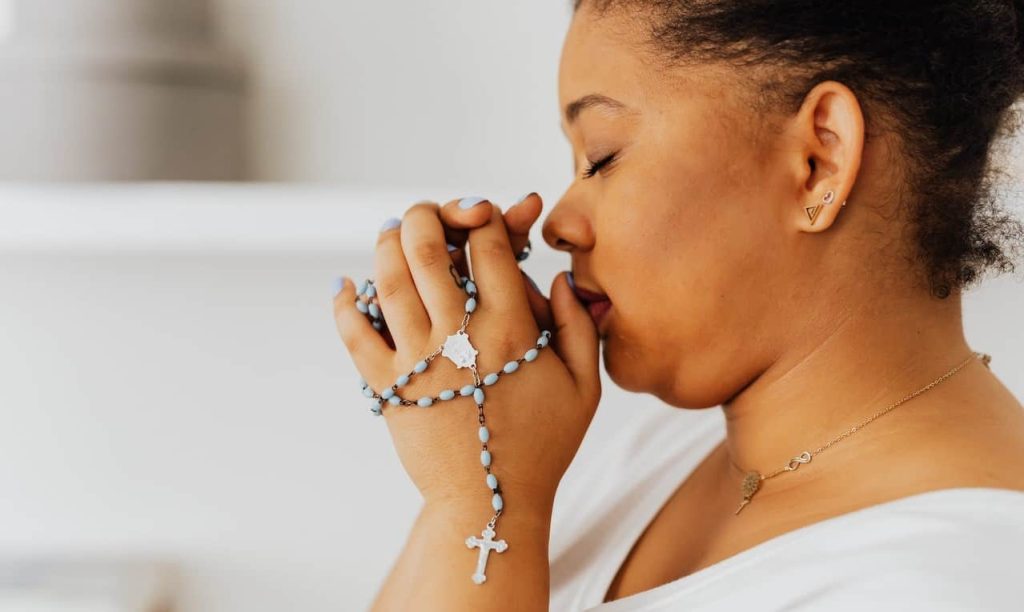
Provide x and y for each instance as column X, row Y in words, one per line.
column 180, row 428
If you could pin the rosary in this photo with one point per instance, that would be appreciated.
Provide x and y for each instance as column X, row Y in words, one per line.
column 461, row 352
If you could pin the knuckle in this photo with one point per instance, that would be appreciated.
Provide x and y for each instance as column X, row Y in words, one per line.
column 490, row 247
column 423, row 206
column 427, row 254
column 388, row 286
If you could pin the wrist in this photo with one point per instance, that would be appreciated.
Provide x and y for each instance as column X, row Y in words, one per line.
column 519, row 509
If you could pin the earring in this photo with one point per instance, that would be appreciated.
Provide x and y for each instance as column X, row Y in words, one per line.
column 813, row 211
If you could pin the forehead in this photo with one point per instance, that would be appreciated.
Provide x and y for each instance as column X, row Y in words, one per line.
column 602, row 55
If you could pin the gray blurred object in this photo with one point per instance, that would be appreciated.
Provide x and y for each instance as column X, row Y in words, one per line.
column 116, row 90
column 34, row 585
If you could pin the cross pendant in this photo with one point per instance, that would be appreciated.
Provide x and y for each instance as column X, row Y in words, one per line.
column 486, row 544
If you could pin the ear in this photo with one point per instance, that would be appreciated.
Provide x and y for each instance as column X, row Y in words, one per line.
column 829, row 130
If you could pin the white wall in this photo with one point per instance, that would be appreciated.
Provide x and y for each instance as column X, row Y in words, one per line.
column 173, row 388
column 454, row 93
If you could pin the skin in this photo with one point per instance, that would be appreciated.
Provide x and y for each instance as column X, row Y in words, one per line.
column 724, row 294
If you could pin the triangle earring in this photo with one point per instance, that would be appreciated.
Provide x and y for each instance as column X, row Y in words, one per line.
column 812, row 212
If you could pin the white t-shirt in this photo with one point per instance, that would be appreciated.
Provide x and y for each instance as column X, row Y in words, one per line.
column 950, row 549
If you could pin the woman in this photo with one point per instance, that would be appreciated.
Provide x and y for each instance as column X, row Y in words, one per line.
column 777, row 205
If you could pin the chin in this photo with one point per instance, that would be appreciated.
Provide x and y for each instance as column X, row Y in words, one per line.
column 627, row 371
column 631, row 372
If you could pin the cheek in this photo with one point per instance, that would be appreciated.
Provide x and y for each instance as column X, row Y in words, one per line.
column 686, row 272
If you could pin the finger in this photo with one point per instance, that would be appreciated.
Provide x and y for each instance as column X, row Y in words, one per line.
column 575, row 338
column 458, row 217
column 368, row 349
column 461, row 215
column 404, row 313
column 539, row 305
column 458, row 255
column 519, row 218
column 423, row 243
column 495, row 268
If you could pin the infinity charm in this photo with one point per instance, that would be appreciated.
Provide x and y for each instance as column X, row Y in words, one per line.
column 804, row 457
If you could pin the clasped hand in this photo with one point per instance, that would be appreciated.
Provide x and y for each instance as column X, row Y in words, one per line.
column 537, row 418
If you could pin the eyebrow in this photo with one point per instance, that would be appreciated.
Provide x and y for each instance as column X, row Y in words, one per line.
column 574, row 108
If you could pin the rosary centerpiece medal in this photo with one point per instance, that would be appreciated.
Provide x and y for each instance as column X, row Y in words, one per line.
column 459, row 350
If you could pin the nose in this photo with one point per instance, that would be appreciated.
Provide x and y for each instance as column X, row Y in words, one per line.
column 567, row 227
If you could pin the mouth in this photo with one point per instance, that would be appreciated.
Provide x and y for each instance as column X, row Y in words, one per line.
column 597, row 304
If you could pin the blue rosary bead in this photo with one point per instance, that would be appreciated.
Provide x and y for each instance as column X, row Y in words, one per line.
column 492, row 481
column 402, row 381
column 394, row 400
column 542, row 341
column 371, row 291
column 511, row 366
column 467, row 390
column 496, row 502
column 471, row 304
column 361, row 306
column 419, row 367
column 447, row 394
column 387, row 393
column 485, row 458
column 368, row 392
column 361, row 289
column 478, row 395
column 374, row 310
column 377, row 325
column 375, row 408
column 484, row 434
column 491, row 378
column 471, row 287
column 531, row 354
column 425, row 402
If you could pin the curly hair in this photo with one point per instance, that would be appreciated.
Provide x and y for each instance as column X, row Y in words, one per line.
column 943, row 75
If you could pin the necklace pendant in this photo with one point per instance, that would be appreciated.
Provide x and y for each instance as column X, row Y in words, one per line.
column 750, row 486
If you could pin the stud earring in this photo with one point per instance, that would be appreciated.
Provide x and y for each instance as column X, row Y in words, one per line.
column 813, row 211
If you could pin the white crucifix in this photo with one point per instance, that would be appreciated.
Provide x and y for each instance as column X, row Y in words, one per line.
column 486, row 545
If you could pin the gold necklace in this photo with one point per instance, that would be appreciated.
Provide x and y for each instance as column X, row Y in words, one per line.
column 752, row 481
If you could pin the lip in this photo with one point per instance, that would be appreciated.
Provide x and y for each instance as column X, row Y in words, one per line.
column 599, row 312
column 597, row 304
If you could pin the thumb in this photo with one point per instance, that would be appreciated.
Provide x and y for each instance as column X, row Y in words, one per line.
column 575, row 339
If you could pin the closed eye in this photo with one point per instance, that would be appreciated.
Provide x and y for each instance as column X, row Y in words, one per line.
column 595, row 166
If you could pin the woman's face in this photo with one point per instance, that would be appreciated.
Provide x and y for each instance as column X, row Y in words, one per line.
column 689, row 231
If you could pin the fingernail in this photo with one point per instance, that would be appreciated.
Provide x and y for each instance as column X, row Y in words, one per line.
column 338, row 284
column 524, row 196
column 572, row 281
column 470, row 202
column 390, row 224
column 452, row 248
column 532, row 284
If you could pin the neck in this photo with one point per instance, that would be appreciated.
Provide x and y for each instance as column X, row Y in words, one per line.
column 848, row 370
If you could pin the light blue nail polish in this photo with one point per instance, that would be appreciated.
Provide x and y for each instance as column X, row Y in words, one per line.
column 337, row 285
column 470, row 202
column 452, row 248
column 390, row 224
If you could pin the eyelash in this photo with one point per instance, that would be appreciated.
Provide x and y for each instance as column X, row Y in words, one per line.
column 595, row 166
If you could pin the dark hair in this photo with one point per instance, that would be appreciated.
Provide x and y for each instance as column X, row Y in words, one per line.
column 941, row 74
